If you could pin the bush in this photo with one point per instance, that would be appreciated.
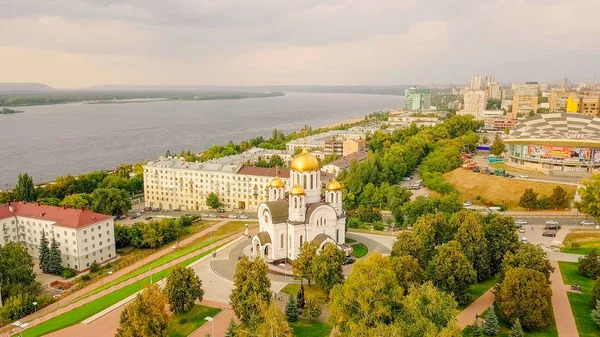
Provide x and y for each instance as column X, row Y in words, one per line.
column 575, row 245
column 378, row 225
column 595, row 296
column 68, row 273
column 589, row 266
column 354, row 223
column 95, row 267
column 86, row 277
column 18, row 306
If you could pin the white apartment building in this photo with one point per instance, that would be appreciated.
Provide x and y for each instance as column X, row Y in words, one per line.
column 475, row 82
column 318, row 141
column 172, row 183
column 83, row 236
column 474, row 102
column 252, row 156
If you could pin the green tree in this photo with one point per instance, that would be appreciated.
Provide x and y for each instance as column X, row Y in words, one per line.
column 474, row 245
column 558, row 199
column 516, row 330
column 183, row 288
column 451, row 271
column 145, row 316
column 16, row 271
column 76, row 201
column 251, row 289
column 590, row 196
column 55, row 259
column 18, row 306
column 48, row 201
column 291, row 310
column 231, row 329
column 424, row 230
column 408, row 271
column 525, row 294
column 527, row 256
column 408, row 243
column 272, row 322
column 596, row 314
column 111, row 201
column 529, row 199
column 491, row 326
column 303, row 264
column 368, row 214
column 595, row 295
column 327, row 267
column 477, row 329
column 44, row 254
column 370, row 296
column 497, row 147
column 501, row 238
column 589, row 265
column 116, row 181
column 213, row 201
column 25, row 191
column 312, row 308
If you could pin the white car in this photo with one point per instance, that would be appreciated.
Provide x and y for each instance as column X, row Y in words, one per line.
column 243, row 217
column 524, row 176
column 588, row 223
column 524, row 239
column 467, row 204
column 551, row 222
column 521, row 230
column 521, row 222
column 232, row 216
column 406, row 179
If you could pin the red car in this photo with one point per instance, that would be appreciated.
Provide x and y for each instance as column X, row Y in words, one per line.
column 223, row 216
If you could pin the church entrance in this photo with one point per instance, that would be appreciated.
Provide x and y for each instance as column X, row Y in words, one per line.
column 266, row 251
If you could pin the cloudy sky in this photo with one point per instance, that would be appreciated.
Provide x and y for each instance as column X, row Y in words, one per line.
column 78, row 43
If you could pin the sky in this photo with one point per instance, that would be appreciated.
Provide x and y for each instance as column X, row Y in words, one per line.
column 80, row 43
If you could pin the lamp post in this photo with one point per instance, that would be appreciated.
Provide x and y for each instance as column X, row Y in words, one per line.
column 35, row 308
column 21, row 326
column 212, row 323
column 109, row 274
column 150, row 274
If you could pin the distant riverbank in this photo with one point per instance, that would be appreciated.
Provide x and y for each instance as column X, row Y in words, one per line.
column 6, row 111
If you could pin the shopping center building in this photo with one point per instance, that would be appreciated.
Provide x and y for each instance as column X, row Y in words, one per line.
column 556, row 143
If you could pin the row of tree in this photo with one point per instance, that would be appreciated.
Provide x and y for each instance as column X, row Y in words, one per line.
column 558, row 199
column 151, row 234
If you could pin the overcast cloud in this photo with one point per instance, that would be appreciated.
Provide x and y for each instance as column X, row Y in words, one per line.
column 77, row 43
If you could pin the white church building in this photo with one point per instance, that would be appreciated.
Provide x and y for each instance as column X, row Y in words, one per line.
column 305, row 215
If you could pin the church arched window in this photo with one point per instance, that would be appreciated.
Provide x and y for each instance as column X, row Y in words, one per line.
column 337, row 197
column 281, row 241
column 301, row 240
column 311, row 181
column 295, row 202
column 304, row 182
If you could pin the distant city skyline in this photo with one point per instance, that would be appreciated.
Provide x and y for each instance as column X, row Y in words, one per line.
column 75, row 44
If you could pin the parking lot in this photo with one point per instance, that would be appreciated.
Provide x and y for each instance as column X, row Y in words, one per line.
column 535, row 227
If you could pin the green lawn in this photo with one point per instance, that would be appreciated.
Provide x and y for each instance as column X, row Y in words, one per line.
column 87, row 310
column 349, row 241
column 579, row 302
column 587, row 242
column 292, row 290
column 359, row 250
column 304, row 328
column 505, row 330
column 479, row 289
column 183, row 325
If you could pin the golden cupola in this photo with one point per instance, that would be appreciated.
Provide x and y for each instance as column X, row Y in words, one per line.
column 305, row 162
column 333, row 186
column 297, row 190
column 276, row 182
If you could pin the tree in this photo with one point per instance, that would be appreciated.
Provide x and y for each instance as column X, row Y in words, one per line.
column 477, row 329
column 183, row 288
column 424, row 229
column 145, row 316
column 312, row 308
column 595, row 295
column 368, row 214
column 527, row 256
column 76, row 201
column 491, row 326
column 370, row 296
column 327, row 267
column 16, row 271
column 558, row 199
column 251, row 289
column 44, row 254
column 291, row 310
column 55, row 259
column 213, row 201
column 25, row 191
column 590, row 196
column 596, row 314
column 231, row 329
column 111, row 201
column 451, row 271
column 407, row 270
column 408, row 243
column 474, row 245
column 529, row 199
column 497, row 147
column 303, row 264
column 524, row 294
column 589, row 265
column 516, row 330
column 272, row 322
column 18, row 306
column 501, row 238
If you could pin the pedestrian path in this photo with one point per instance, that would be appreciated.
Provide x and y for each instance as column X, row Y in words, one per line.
column 563, row 315
column 220, row 321
column 467, row 316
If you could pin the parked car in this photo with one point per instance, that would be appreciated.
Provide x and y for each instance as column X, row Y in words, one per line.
column 147, row 209
column 551, row 222
column 243, row 216
column 524, row 239
column 467, row 203
column 349, row 260
column 220, row 210
column 223, row 216
column 133, row 217
column 156, row 210
column 549, row 234
column 148, row 218
column 521, row 222
column 552, row 227
column 232, row 216
column 212, row 215
column 588, row 223
column 521, row 230
column 239, row 211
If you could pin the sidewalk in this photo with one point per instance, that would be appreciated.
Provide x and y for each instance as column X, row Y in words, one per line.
column 563, row 314
column 221, row 320
column 55, row 310
column 467, row 316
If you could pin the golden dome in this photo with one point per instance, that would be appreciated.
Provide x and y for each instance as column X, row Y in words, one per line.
column 277, row 183
column 305, row 162
column 334, row 186
column 297, row 190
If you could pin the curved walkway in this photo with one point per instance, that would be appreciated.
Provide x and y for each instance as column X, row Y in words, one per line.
column 563, row 314
column 467, row 316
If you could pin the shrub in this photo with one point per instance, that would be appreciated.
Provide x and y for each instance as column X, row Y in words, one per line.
column 354, row 223
column 86, row 277
column 68, row 273
column 595, row 296
column 18, row 306
column 589, row 266
column 378, row 226
column 95, row 267
column 575, row 245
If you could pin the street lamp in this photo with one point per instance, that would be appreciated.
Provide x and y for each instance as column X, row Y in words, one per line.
column 109, row 274
column 35, row 307
column 212, row 323
column 21, row 326
column 150, row 274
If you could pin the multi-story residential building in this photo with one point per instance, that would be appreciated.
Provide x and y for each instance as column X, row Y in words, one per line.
column 589, row 105
column 83, row 237
column 420, row 119
column 489, row 79
column 351, row 146
column 172, row 183
column 475, row 82
column 525, row 89
column 507, row 94
column 334, row 145
column 344, row 163
column 475, row 102
column 253, row 156
column 523, row 105
column 417, row 99
column 559, row 98
column 318, row 141
column 494, row 91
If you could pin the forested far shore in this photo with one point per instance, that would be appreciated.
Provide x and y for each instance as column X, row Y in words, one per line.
column 7, row 111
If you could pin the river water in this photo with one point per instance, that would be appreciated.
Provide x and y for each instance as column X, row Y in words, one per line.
column 53, row 140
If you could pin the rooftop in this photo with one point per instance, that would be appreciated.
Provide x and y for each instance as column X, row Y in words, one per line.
column 64, row 217
column 321, row 137
column 263, row 171
column 557, row 127
column 345, row 162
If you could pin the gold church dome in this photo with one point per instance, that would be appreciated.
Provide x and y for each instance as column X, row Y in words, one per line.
column 277, row 183
column 297, row 190
column 334, row 186
column 305, row 162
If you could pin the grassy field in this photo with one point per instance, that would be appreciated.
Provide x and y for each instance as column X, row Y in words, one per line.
column 579, row 302
column 304, row 328
column 494, row 189
column 587, row 241
column 479, row 289
column 87, row 310
column 350, row 241
column 292, row 290
column 359, row 250
column 183, row 325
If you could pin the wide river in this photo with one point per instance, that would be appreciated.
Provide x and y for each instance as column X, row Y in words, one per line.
column 53, row 140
